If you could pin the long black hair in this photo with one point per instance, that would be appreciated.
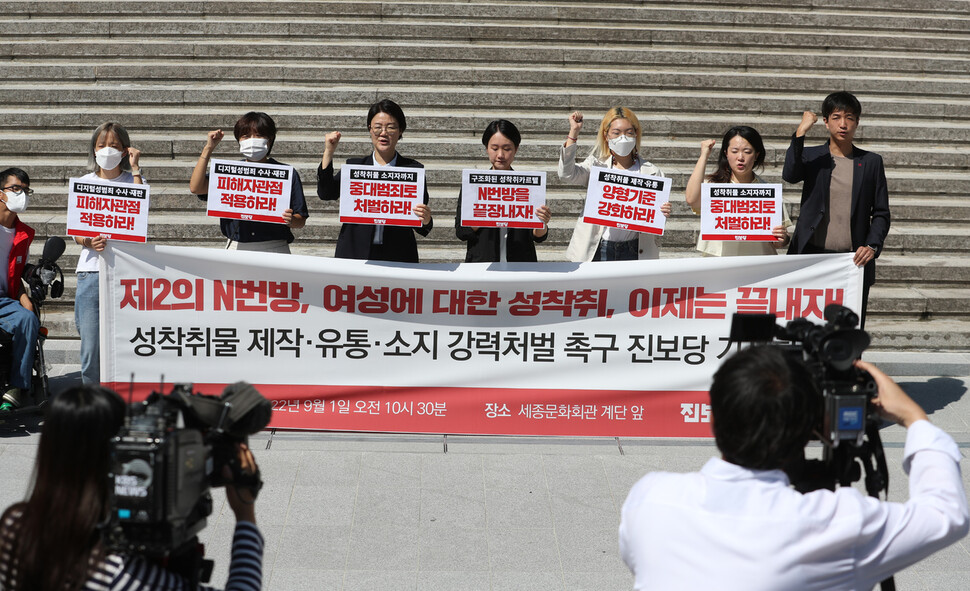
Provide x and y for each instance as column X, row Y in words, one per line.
column 47, row 542
column 723, row 172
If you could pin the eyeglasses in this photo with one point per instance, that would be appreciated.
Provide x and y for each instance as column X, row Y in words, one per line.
column 18, row 189
column 379, row 129
column 615, row 133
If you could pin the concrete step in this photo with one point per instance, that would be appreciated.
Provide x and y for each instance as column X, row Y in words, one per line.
column 736, row 101
column 562, row 11
column 654, row 27
column 671, row 151
column 934, row 335
column 531, row 75
column 152, row 127
column 291, row 55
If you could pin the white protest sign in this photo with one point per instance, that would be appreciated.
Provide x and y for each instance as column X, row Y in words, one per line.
column 735, row 211
column 385, row 195
column 626, row 200
column 502, row 198
column 254, row 191
column 118, row 211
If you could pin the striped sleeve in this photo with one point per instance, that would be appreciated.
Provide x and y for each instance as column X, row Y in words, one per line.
column 246, row 564
column 116, row 573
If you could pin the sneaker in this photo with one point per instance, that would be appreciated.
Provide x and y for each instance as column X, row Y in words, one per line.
column 11, row 400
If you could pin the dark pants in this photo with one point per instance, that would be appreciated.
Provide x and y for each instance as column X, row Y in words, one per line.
column 617, row 251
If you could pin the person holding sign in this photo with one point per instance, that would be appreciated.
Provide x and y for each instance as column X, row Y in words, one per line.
column 742, row 151
column 617, row 147
column 845, row 201
column 114, row 161
column 256, row 134
column 514, row 245
column 386, row 124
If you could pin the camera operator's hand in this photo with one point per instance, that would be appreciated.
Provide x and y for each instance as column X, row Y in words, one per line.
column 242, row 497
column 892, row 402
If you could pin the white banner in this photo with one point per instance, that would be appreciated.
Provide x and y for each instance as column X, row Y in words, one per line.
column 255, row 191
column 384, row 195
column 314, row 331
column 735, row 211
column 118, row 211
column 502, row 198
column 626, row 200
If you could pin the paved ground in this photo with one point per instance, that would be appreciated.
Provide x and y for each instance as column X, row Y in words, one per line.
column 353, row 511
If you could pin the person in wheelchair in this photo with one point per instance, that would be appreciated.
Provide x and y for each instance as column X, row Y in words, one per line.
column 17, row 315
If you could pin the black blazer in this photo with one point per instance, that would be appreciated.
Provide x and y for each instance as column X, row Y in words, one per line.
column 356, row 241
column 870, row 196
column 483, row 245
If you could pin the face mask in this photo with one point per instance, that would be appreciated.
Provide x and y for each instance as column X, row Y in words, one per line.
column 108, row 158
column 623, row 145
column 254, row 148
column 16, row 202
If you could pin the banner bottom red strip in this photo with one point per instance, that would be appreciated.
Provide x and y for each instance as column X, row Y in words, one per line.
column 475, row 411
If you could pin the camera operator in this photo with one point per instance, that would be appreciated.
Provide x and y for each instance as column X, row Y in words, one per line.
column 737, row 524
column 53, row 541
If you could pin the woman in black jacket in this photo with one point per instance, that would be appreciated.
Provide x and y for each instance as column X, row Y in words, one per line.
column 514, row 245
column 386, row 124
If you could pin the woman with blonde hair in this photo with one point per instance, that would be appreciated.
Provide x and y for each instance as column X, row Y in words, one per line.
column 617, row 146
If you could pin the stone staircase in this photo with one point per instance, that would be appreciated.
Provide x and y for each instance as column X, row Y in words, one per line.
column 171, row 71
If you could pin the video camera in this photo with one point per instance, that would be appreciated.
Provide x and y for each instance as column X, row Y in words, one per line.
column 167, row 455
column 848, row 425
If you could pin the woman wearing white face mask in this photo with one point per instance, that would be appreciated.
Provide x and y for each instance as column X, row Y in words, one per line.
column 256, row 133
column 617, row 146
column 114, row 161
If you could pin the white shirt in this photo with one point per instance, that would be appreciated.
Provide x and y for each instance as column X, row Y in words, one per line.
column 728, row 527
column 378, row 229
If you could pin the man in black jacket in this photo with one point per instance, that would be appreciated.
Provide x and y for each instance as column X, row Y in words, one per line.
column 845, row 202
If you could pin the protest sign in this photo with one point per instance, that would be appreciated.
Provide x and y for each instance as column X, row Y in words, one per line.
column 626, row 200
column 735, row 211
column 382, row 195
column 501, row 198
column 254, row 191
column 118, row 211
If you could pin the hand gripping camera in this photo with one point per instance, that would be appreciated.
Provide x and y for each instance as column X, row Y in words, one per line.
column 167, row 455
column 849, row 426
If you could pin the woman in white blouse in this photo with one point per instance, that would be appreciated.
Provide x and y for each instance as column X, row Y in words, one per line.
column 617, row 146
column 742, row 151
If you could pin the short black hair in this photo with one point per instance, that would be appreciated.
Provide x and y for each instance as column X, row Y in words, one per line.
column 19, row 173
column 841, row 101
column 504, row 127
column 256, row 123
column 391, row 108
column 764, row 405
